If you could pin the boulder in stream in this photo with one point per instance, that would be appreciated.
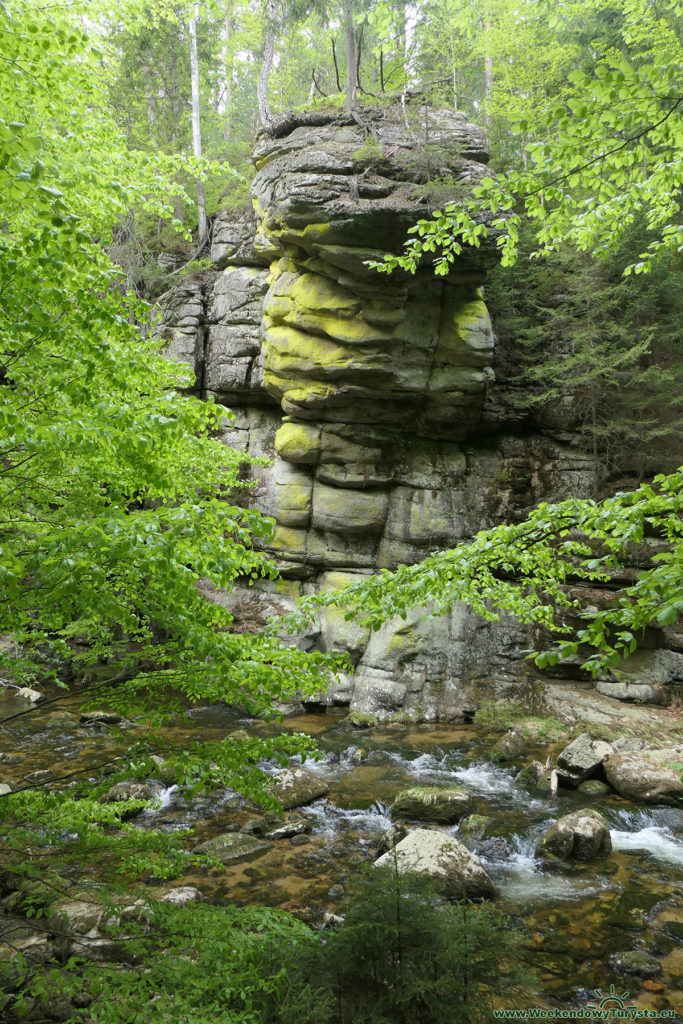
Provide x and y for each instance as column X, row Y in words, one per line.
column 582, row 758
column 594, row 787
column 391, row 838
column 26, row 693
column 296, row 787
column 432, row 803
column 101, row 718
column 296, row 827
column 122, row 791
column 232, row 847
column 456, row 871
column 181, row 895
column 509, row 746
column 582, row 835
column 474, row 826
column 649, row 776
column 636, row 961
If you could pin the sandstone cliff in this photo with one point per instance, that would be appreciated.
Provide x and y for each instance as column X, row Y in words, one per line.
column 372, row 397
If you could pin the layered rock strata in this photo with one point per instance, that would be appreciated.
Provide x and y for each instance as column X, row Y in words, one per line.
column 372, row 396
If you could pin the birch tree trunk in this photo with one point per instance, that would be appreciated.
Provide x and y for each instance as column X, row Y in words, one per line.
column 351, row 72
column 228, row 70
column 262, row 91
column 196, row 128
column 488, row 72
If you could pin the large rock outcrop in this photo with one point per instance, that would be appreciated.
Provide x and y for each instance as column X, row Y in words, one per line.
column 372, row 396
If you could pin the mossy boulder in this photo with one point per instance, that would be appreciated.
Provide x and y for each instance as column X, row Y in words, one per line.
column 509, row 747
column 582, row 835
column 636, row 961
column 647, row 776
column 431, row 803
column 232, row 847
column 474, row 826
column 456, row 871
column 296, row 787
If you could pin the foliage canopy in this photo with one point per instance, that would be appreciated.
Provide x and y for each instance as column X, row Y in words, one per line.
column 116, row 498
column 539, row 571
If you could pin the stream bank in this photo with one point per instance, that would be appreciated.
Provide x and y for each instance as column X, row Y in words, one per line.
column 587, row 926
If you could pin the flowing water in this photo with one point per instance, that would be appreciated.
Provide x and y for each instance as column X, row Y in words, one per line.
column 574, row 918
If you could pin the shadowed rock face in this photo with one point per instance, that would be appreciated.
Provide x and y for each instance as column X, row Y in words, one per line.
column 372, row 395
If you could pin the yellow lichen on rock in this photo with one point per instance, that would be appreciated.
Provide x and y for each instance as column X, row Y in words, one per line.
column 298, row 442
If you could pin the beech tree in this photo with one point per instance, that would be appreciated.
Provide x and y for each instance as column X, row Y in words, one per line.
column 604, row 153
column 527, row 569
column 115, row 498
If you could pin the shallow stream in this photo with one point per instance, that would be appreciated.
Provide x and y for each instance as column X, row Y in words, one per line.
column 574, row 919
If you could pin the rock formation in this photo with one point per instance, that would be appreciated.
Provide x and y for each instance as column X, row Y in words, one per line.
column 372, row 396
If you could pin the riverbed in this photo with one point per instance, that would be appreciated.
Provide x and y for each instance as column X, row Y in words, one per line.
column 575, row 920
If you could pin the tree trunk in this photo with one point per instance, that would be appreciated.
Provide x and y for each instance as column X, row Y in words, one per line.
column 196, row 128
column 488, row 73
column 453, row 75
column 351, row 71
column 409, row 24
column 228, row 67
column 262, row 92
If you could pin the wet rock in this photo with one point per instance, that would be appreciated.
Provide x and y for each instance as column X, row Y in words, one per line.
column 456, row 871
column 647, row 775
column 531, row 772
column 336, row 892
column 359, row 755
column 594, row 787
column 582, row 835
column 59, row 1008
column 509, row 746
column 32, row 896
column 256, row 826
column 6, row 787
column 582, row 759
column 299, row 827
column 297, row 787
column 18, row 938
column 239, row 735
column 123, row 791
column 288, row 710
column 77, row 920
column 181, row 895
column 300, row 840
column 431, row 803
column 232, row 847
column 391, row 837
column 60, row 720
column 474, row 826
column 164, row 771
column 11, row 758
column 494, row 848
column 636, row 961
column 39, row 778
column 100, row 718
column 26, row 693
